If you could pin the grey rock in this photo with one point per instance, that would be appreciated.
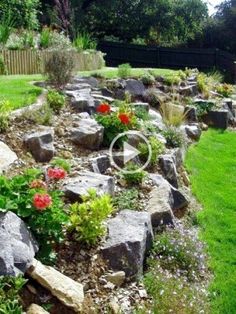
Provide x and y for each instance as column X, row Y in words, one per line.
column 217, row 118
column 88, row 134
column 190, row 90
column 92, row 81
column 17, row 245
column 168, row 168
column 102, row 98
column 40, row 144
column 130, row 237
column 78, row 186
column 193, row 131
column 116, row 278
column 100, row 164
column 191, row 114
column 82, row 103
column 164, row 199
column 106, row 92
column 178, row 155
column 76, row 87
column 7, row 157
column 134, row 87
column 228, row 105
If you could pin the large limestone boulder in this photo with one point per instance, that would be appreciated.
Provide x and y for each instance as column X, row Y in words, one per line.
column 68, row 291
column 40, row 144
column 36, row 309
column 193, row 131
column 87, row 133
column 17, row 245
column 74, row 188
column 129, row 239
column 7, row 157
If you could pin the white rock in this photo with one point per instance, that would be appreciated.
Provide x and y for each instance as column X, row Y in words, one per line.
column 36, row 309
column 68, row 291
column 7, row 157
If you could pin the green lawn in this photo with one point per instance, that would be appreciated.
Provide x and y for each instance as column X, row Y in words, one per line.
column 135, row 72
column 212, row 164
column 19, row 90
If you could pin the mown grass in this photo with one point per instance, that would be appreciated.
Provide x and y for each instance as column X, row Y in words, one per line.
column 135, row 72
column 212, row 164
column 19, row 90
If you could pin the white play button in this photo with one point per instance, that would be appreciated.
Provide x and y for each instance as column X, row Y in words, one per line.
column 129, row 152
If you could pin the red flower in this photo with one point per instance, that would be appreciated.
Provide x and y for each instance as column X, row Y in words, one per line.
column 56, row 173
column 42, row 201
column 104, row 108
column 124, row 118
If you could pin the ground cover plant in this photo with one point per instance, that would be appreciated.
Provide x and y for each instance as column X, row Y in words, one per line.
column 19, row 90
column 211, row 164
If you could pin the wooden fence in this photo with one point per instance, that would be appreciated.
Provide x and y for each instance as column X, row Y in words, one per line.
column 175, row 58
column 31, row 61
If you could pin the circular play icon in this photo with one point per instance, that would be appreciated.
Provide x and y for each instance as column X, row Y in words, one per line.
column 129, row 153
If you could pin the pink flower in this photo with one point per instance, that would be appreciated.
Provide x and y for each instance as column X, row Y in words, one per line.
column 56, row 173
column 42, row 201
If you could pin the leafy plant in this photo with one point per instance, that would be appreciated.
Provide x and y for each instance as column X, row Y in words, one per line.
column 148, row 79
column 6, row 25
column 42, row 116
column 86, row 219
column 63, row 60
column 84, row 41
column 14, row 42
column 226, row 90
column 4, row 115
column 9, row 294
column 124, row 70
column 61, row 163
column 115, row 123
column 55, row 100
column 173, row 115
column 127, row 199
column 156, row 146
column 17, row 195
column 132, row 174
column 45, row 38
column 174, row 137
column 173, row 80
column 141, row 113
column 203, row 107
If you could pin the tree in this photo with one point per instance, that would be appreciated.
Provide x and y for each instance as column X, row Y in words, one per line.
column 24, row 12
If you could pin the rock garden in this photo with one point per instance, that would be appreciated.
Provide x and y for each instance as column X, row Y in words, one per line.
column 77, row 234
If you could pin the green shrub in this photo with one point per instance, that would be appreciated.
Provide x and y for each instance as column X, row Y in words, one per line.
column 86, row 219
column 84, row 41
column 148, row 79
column 141, row 113
column 61, row 163
column 203, row 107
column 124, row 70
column 42, row 116
column 172, row 80
column 59, row 67
column 4, row 115
column 174, row 137
column 157, row 149
column 45, row 37
column 55, row 100
column 9, row 294
column 127, row 199
column 14, row 42
column 226, row 90
column 6, row 25
column 16, row 195
column 132, row 174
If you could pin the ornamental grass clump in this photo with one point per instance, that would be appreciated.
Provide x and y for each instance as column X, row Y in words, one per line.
column 87, row 218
